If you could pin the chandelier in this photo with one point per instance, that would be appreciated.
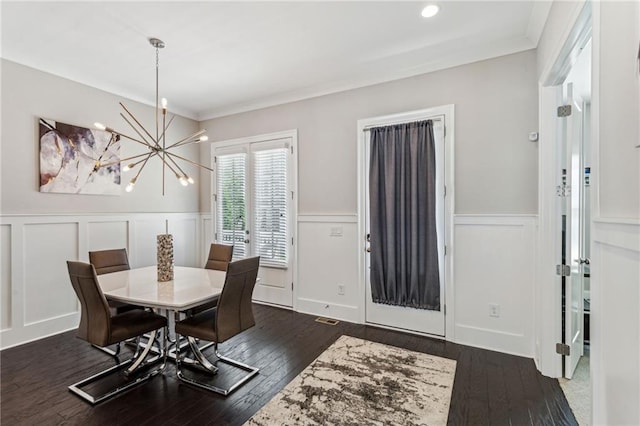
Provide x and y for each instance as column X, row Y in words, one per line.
column 156, row 145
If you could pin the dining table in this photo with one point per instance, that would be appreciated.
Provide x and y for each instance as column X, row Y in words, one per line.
column 190, row 287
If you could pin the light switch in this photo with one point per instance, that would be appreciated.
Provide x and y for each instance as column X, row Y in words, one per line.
column 336, row 231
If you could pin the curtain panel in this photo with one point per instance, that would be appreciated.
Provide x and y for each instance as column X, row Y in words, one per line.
column 402, row 193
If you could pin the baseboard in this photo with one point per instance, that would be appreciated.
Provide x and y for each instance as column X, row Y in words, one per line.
column 329, row 310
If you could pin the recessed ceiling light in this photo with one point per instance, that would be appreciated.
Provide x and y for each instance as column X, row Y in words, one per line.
column 429, row 11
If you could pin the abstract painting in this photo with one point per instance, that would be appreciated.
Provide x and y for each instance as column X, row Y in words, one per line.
column 69, row 156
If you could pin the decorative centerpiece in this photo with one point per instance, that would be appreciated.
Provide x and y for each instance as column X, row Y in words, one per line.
column 165, row 257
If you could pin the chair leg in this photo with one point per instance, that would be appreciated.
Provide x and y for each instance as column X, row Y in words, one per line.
column 252, row 371
column 114, row 353
column 131, row 382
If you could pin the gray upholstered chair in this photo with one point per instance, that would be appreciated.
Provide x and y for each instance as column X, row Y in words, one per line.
column 232, row 315
column 220, row 256
column 105, row 262
column 100, row 328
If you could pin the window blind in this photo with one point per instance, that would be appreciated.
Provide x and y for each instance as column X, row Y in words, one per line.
column 270, row 200
column 231, row 224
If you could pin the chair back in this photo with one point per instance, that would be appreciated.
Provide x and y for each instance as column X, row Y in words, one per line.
column 234, row 313
column 106, row 261
column 219, row 257
column 95, row 319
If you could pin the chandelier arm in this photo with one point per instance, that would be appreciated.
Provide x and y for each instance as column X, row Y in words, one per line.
column 126, row 159
column 187, row 143
column 143, row 140
column 142, row 167
column 189, row 161
column 170, row 157
column 167, row 126
column 169, row 166
column 188, row 138
column 138, row 123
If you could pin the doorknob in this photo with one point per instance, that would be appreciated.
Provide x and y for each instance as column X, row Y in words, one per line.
column 368, row 249
column 583, row 261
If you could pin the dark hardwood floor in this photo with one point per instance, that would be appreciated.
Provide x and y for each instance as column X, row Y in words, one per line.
column 490, row 388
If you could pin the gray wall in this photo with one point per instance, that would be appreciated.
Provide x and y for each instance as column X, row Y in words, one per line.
column 495, row 106
column 619, row 112
column 28, row 94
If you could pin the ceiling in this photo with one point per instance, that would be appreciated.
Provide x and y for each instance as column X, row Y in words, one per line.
column 227, row 57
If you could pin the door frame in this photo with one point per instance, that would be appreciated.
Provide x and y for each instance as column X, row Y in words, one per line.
column 293, row 185
column 548, row 300
column 448, row 111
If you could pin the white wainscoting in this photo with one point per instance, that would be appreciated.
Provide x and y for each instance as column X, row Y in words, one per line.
column 328, row 257
column 615, row 321
column 37, row 297
column 494, row 263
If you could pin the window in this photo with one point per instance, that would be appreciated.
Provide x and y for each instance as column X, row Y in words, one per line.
column 253, row 200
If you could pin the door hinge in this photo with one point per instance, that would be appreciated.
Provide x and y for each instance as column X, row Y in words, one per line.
column 564, row 110
column 215, row 159
column 291, row 149
column 445, row 250
column 563, row 349
column 445, row 190
column 292, row 195
column 292, row 285
column 563, row 270
column 563, row 190
column 291, row 240
column 215, row 197
column 444, row 130
column 445, row 309
column 215, row 236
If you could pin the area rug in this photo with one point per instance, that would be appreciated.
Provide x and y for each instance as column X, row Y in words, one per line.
column 357, row 382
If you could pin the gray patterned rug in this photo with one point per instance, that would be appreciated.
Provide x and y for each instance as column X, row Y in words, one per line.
column 357, row 382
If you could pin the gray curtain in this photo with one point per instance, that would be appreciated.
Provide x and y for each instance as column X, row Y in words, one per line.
column 404, row 244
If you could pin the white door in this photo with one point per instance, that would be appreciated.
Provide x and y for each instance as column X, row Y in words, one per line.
column 411, row 319
column 574, row 226
column 253, row 208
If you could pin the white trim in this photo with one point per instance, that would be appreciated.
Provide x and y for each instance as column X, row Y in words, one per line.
column 304, row 218
column 548, row 324
column 328, row 309
column 448, row 113
column 20, row 330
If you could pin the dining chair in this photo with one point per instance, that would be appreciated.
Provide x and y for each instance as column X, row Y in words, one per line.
column 100, row 328
column 232, row 315
column 105, row 262
column 220, row 256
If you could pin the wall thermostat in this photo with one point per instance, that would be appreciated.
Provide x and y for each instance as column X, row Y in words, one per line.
column 533, row 136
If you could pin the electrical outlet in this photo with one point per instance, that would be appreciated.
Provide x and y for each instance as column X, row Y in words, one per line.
column 494, row 310
column 341, row 289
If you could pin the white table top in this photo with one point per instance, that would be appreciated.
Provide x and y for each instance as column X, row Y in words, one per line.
column 189, row 288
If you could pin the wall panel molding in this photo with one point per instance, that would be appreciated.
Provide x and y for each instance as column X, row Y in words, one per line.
column 494, row 264
column 615, row 320
column 40, row 300
column 327, row 253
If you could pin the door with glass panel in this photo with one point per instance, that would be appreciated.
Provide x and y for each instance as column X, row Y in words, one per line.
column 253, row 209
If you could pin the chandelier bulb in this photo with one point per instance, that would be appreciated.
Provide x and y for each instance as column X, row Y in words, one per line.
column 204, row 138
column 183, row 181
column 128, row 167
column 190, row 180
column 164, row 103
column 129, row 187
column 100, row 126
